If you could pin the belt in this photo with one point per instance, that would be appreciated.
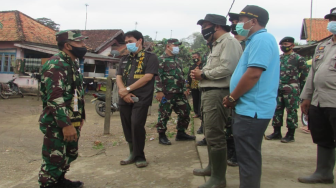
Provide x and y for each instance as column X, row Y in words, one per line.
column 211, row 88
column 76, row 124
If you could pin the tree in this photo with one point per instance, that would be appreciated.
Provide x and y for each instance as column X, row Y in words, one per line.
column 148, row 38
column 49, row 23
column 194, row 41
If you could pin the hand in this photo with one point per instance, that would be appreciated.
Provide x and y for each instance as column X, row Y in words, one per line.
column 69, row 133
column 81, row 125
column 196, row 74
column 305, row 106
column 128, row 98
column 123, row 92
column 228, row 104
column 159, row 96
column 187, row 92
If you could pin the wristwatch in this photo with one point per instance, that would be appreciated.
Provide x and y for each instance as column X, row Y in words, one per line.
column 203, row 76
column 128, row 88
column 231, row 99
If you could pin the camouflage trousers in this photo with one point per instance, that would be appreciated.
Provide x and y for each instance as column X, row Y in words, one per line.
column 179, row 103
column 56, row 154
column 288, row 97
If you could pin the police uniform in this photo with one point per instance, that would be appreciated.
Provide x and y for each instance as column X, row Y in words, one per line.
column 62, row 95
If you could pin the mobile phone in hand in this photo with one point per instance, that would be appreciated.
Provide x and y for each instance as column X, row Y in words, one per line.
column 135, row 99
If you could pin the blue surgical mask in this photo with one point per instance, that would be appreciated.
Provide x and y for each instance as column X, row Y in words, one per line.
column 176, row 50
column 132, row 47
column 332, row 27
column 240, row 29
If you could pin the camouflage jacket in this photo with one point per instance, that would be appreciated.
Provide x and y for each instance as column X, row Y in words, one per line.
column 293, row 70
column 60, row 78
column 170, row 75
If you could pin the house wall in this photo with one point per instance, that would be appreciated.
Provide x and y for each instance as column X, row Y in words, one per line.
column 106, row 52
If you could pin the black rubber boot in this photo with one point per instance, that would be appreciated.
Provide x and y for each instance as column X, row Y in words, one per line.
column 218, row 170
column 289, row 136
column 163, row 139
column 204, row 171
column 65, row 183
column 276, row 135
column 182, row 136
column 130, row 159
column 200, row 129
column 324, row 167
column 203, row 142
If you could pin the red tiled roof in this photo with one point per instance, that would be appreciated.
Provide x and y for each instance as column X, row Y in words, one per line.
column 319, row 29
column 20, row 27
column 98, row 39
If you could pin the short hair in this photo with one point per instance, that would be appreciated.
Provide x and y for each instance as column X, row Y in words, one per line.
column 226, row 28
column 60, row 45
column 197, row 53
column 262, row 23
column 136, row 34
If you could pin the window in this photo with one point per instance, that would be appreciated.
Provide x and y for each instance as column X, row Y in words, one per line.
column 6, row 61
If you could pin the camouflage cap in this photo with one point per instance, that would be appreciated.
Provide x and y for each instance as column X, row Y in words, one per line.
column 171, row 41
column 74, row 35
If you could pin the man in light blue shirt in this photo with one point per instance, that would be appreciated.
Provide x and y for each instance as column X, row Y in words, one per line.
column 253, row 92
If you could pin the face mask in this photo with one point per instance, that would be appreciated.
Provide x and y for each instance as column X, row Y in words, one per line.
column 208, row 32
column 285, row 48
column 233, row 29
column 332, row 27
column 132, row 47
column 241, row 31
column 196, row 60
column 176, row 50
column 79, row 52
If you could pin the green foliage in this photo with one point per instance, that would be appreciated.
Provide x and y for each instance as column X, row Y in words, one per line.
column 98, row 146
column 49, row 23
column 148, row 38
column 170, row 134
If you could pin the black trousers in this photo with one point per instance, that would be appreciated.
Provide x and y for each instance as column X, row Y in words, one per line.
column 322, row 125
column 133, row 120
column 196, row 95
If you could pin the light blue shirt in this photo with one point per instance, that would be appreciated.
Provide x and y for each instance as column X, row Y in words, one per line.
column 261, row 51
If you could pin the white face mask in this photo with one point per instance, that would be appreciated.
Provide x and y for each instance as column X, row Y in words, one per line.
column 332, row 27
column 175, row 50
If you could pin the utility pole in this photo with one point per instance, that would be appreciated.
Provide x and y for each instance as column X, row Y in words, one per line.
column 136, row 23
column 155, row 36
column 311, row 22
column 171, row 33
column 86, row 5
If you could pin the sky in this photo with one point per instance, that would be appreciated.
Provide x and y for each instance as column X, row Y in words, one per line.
column 174, row 17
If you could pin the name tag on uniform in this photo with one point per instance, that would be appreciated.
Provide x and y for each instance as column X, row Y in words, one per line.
column 138, row 76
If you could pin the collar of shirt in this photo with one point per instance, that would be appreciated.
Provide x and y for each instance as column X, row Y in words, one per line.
column 68, row 59
column 222, row 37
column 165, row 55
column 254, row 34
column 136, row 55
column 282, row 55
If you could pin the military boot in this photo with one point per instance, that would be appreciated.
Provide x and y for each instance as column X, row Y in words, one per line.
column 203, row 142
column 324, row 167
column 204, row 171
column 183, row 136
column 130, row 159
column 50, row 186
column 289, row 136
column 65, row 183
column 218, row 170
column 163, row 139
column 200, row 129
column 276, row 135
column 233, row 160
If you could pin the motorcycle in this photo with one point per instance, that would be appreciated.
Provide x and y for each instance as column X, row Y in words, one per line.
column 10, row 89
column 100, row 104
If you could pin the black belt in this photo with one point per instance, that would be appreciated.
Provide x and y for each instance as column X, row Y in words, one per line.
column 212, row 88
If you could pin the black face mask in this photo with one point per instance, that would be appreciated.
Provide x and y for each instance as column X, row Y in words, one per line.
column 286, row 48
column 208, row 32
column 233, row 29
column 196, row 60
column 79, row 52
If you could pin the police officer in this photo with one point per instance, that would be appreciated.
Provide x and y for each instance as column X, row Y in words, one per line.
column 171, row 92
column 63, row 110
column 293, row 73
column 214, row 77
column 319, row 95
column 135, row 80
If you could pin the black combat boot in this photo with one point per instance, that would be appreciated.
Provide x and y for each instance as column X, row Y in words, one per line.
column 289, row 136
column 231, row 152
column 324, row 167
column 182, row 136
column 163, row 139
column 202, row 142
column 276, row 135
column 50, row 186
column 200, row 129
column 65, row 183
column 233, row 160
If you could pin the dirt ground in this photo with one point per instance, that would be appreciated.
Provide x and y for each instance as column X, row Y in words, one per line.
column 169, row 166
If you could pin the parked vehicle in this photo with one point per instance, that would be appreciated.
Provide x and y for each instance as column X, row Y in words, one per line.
column 10, row 89
column 100, row 104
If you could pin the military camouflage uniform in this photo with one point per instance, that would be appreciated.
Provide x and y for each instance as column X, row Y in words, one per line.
column 171, row 82
column 293, row 73
column 59, row 82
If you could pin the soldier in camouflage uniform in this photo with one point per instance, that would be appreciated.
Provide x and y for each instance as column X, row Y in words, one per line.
column 63, row 110
column 171, row 92
column 293, row 73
